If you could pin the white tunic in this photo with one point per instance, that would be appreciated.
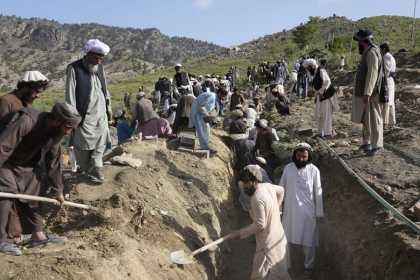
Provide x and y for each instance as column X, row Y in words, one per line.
column 302, row 203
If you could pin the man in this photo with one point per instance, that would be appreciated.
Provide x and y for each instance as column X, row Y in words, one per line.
column 282, row 102
column 279, row 73
column 326, row 102
column 208, row 85
column 341, row 63
column 159, row 90
column 271, row 259
column 237, row 132
column 235, row 75
column 258, row 107
column 196, row 89
column 203, row 111
column 86, row 90
column 124, row 131
column 366, row 103
column 388, row 115
column 25, row 135
column 263, row 143
column 183, row 112
column 303, row 204
column 302, row 82
column 148, row 121
column 182, row 84
column 29, row 87
column 251, row 115
column 236, row 98
column 126, row 100
column 244, row 199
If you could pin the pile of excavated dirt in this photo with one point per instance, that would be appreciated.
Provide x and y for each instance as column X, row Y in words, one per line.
column 175, row 201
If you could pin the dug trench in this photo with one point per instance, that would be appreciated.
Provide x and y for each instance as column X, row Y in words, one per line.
column 176, row 201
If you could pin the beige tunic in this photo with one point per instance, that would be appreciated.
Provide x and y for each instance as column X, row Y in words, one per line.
column 271, row 259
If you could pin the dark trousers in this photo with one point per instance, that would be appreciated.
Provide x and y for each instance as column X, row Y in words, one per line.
column 13, row 228
column 30, row 215
column 178, row 123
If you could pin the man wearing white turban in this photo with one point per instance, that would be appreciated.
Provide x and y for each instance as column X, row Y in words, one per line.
column 325, row 98
column 86, row 90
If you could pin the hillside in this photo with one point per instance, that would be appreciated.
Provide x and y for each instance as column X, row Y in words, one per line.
column 49, row 46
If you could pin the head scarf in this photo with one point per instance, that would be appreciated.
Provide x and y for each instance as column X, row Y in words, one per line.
column 67, row 114
column 263, row 123
column 94, row 45
column 140, row 94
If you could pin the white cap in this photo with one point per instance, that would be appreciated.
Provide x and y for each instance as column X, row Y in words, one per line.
column 94, row 45
column 263, row 123
column 32, row 76
column 178, row 65
column 119, row 113
column 305, row 146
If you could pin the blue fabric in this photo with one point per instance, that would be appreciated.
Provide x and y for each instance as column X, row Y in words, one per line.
column 200, row 108
column 124, row 131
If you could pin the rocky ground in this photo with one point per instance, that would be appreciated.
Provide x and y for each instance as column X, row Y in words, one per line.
column 177, row 201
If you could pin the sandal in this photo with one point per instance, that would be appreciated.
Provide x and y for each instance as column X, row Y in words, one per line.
column 307, row 274
column 50, row 239
column 10, row 249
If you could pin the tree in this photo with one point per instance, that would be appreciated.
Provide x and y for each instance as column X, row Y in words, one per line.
column 303, row 34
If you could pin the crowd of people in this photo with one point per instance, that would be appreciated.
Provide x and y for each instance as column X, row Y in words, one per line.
column 282, row 213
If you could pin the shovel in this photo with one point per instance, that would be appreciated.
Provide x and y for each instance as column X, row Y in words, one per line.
column 180, row 257
column 45, row 199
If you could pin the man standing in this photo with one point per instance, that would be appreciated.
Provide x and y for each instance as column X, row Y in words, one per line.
column 366, row 103
column 182, row 85
column 25, row 135
column 279, row 73
column 29, row 87
column 388, row 115
column 86, row 90
column 263, row 143
column 126, row 100
column 302, row 82
column 236, row 98
column 326, row 102
column 203, row 111
column 271, row 260
column 303, row 205
column 183, row 113
column 258, row 107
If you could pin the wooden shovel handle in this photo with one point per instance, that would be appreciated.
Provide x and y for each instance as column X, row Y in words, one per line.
column 220, row 240
column 45, row 199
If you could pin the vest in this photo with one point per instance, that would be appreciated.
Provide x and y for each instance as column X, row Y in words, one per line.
column 361, row 74
column 84, row 87
column 317, row 83
column 182, row 80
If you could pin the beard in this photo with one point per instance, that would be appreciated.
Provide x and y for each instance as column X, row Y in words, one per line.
column 312, row 71
column 56, row 134
column 361, row 48
column 27, row 98
column 251, row 190
column 93, row 69
column 300, row 164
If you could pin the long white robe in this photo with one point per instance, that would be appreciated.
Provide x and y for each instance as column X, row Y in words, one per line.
column 201, row 108
column 302, row 203
column 271, row 258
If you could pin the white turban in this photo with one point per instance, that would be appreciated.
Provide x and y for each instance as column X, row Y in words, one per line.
column 309, row 62
column 94, row 45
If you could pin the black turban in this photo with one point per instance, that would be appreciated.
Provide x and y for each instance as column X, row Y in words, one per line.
column 66, row 113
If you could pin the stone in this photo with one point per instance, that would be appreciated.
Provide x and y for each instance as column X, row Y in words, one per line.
column 202, row 153
column 305, row 132
column 185, row 149
column 187, row 141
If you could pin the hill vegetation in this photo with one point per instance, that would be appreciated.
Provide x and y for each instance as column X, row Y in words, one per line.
column 332, row 35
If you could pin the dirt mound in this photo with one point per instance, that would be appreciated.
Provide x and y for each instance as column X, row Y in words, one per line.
column 144, row 215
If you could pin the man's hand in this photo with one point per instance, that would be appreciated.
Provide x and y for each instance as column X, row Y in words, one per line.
column 209, row 119
column 366, row 99
column 235, row 234
column 60, row 200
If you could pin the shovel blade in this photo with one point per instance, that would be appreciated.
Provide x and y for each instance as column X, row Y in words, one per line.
column 180, row 257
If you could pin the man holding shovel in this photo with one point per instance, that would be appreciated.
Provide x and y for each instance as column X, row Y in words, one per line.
column 271, row 260
column 25, row 135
